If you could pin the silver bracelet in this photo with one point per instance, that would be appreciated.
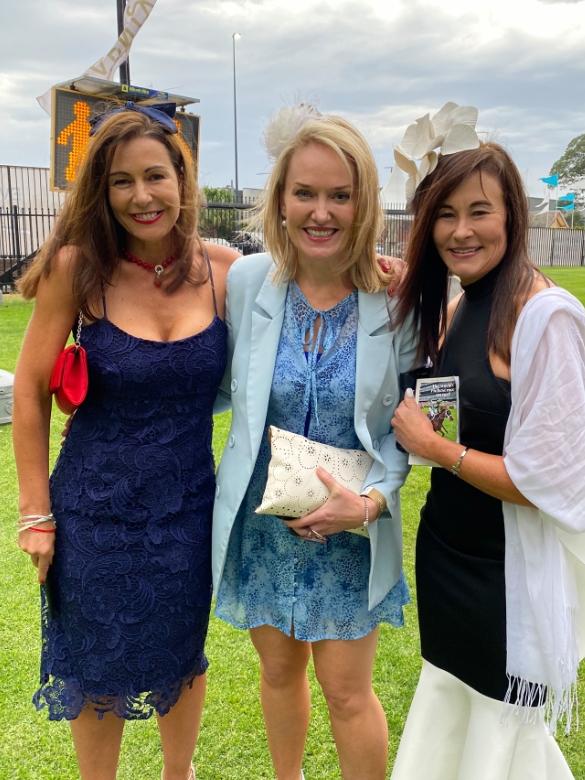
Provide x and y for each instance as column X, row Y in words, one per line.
column 30, row 521
column 366, row 522
column 456, row 467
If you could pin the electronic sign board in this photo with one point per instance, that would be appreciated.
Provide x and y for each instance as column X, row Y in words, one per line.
column 71, row 111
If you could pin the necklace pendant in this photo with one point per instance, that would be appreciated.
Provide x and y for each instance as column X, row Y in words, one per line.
column 158, row 269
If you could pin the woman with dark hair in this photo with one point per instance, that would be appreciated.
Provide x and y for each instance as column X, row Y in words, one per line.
column 496, row 589
column 121, row 535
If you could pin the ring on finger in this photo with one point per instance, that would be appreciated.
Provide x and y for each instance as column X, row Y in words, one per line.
column 316, row 535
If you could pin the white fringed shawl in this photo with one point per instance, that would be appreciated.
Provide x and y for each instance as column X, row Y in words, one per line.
column 544, row 454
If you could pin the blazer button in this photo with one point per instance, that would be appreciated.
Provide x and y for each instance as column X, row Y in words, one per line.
column 387, row 400
column 234, row 385
column 376, row 444
column 217, row 491
column 231, row 441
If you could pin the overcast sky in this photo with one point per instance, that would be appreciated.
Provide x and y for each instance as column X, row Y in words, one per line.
column 379, row 63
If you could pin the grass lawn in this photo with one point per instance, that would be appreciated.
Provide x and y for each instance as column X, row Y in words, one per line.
column 232, row 743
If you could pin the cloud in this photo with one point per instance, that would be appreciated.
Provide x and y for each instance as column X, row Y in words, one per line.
column 380, row 64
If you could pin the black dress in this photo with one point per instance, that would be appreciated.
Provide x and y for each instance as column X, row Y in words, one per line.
column 459, row 725
column 460, row 543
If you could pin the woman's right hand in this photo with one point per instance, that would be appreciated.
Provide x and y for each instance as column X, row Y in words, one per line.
column 41, row 547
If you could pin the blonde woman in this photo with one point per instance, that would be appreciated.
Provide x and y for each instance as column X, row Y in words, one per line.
column 314, row 353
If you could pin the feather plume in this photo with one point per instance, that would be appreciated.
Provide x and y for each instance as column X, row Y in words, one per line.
column 284, row 126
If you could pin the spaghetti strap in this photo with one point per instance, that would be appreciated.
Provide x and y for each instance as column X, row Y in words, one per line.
column 104, row 301
column 208, row 261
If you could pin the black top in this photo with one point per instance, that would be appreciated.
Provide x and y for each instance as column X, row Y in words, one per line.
column 460, row 544
column 464, row 517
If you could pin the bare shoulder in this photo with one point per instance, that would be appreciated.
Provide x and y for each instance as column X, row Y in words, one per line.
column 221, row 258
column 57, row 286
column 67, row 257
column 539, row 283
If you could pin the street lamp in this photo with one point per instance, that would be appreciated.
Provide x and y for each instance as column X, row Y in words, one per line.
column 124, row 66
column 235, row 37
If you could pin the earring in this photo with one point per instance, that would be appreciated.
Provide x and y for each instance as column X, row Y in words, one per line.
column 283, row 222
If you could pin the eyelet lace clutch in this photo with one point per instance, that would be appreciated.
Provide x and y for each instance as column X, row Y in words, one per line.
column 293, row 488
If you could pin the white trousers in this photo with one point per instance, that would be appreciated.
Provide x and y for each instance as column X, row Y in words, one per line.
column 455, row 733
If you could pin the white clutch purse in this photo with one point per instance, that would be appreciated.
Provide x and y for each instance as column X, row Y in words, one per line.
column 293, row 488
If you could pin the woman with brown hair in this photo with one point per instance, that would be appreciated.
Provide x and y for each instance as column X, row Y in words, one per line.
column 121, row 535
column 495, row 584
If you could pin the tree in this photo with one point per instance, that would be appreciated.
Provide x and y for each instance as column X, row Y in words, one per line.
column 570, row 169
column 220, row 221
column 218, row 194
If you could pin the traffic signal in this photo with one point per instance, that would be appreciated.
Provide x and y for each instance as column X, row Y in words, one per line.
column 71, row 111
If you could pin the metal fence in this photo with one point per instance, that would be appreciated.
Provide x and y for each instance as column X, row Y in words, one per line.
column 28, row 210
column 27, row 213
column 553, row 246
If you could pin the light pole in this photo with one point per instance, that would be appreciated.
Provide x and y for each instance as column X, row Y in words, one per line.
column 235, row 37
column 125, row 66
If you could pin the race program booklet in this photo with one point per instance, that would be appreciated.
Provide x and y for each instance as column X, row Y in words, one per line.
column 438, row 397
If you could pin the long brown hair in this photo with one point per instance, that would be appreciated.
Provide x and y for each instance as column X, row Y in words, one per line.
column 424, row 288
column 87, row 222
column 353, row 150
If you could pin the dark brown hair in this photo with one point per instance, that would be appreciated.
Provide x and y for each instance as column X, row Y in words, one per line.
column 88, row 224
column 424, row 288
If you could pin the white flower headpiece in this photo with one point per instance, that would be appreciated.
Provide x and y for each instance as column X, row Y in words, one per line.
column 450, row 130
column 285, row 124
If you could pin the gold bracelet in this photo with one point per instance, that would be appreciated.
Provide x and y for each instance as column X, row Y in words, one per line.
column 377, row 498
column 456, row 467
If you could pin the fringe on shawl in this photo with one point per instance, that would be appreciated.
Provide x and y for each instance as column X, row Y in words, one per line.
column 531, row 699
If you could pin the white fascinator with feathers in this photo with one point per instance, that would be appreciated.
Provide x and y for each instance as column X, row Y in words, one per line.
column 285, row 124
column 450, row 130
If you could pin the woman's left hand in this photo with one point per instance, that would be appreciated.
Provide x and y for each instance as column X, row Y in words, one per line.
column 342, row 511
column 412, row 428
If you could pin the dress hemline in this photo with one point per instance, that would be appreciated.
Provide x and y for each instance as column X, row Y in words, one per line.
column 140, row 705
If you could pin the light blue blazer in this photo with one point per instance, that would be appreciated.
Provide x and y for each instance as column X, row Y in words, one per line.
column 255, row 311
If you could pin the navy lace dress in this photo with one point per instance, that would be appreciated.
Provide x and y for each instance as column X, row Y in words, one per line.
column 126, row 606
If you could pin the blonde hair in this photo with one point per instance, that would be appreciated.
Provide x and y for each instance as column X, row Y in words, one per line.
column 351, row 147
column 88, row 223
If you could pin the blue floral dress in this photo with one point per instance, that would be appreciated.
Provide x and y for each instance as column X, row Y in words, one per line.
column 272, row 576
column 126, row 606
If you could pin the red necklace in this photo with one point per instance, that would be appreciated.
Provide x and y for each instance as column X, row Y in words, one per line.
column 157, row 269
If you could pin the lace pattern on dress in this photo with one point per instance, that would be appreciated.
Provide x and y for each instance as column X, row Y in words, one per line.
column 126, row 606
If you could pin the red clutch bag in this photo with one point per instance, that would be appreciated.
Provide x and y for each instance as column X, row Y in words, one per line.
column 69, row 378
